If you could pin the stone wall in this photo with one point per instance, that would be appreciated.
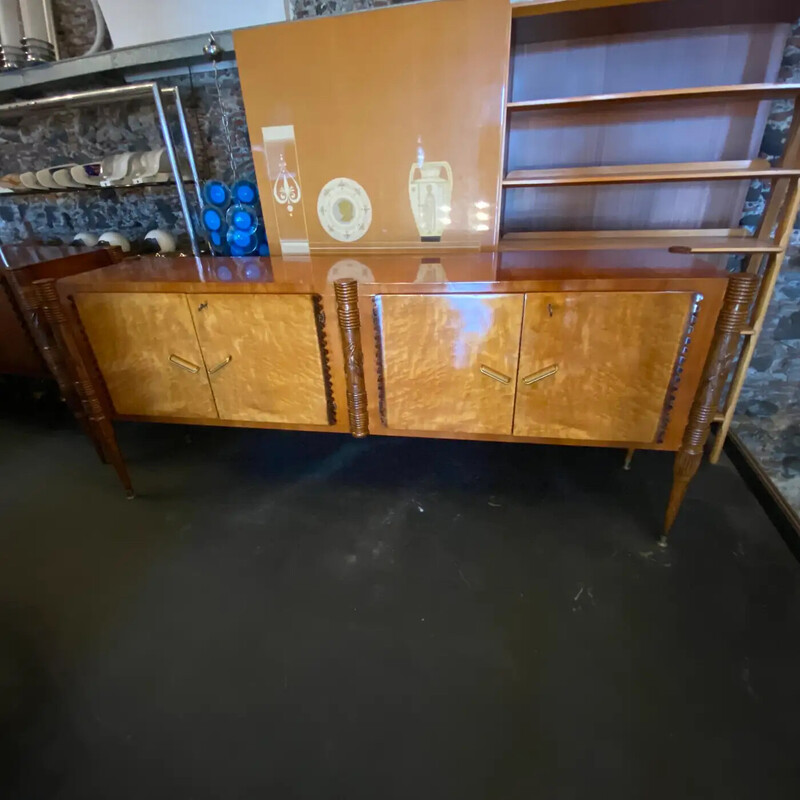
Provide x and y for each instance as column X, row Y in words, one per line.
column 75, row 26
column 85, row 134
column 768, row 414
column 324, row 8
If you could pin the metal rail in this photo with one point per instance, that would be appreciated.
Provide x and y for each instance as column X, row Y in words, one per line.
column 121, row 93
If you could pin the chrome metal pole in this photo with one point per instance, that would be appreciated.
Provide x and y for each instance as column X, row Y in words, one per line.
column 49, row 21
column 176, row 170
column 187, row 143
column 115, row 93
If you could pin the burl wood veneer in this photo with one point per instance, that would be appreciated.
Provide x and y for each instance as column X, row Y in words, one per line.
column 618, row 349
column 449, row 362
column 147, row 350
column 263, row 356
column 598, row 365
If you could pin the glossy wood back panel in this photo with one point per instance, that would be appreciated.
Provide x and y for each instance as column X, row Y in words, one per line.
column 342, row 111
column 263, row 357
column 449, row 363
column 147, row 351
column 598, row 365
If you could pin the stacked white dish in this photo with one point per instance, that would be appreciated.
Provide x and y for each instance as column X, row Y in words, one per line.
column 121, row 170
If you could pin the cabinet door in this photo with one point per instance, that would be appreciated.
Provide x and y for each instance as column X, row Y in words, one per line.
column 147, row 351
column 449, row 362
column 597, row 365
column 263, row 356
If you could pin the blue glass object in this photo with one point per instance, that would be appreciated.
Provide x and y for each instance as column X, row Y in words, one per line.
column 242, row 218
column 219, row 241
column 217, row 194
column 245, row 192
column 243, row 242
column 212, row 219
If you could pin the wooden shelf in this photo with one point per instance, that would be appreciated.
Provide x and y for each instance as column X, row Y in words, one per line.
column 526, row 8
column 647, row 173
column 745, row 91
column 723, row 245
column 676, row 241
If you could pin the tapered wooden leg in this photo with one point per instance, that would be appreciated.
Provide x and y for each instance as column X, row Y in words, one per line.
column 724, row 349
column 35, row 322
column 66, row 384
column 346, row 291
column 628, row 458
column 71, row 341
column 108, row 437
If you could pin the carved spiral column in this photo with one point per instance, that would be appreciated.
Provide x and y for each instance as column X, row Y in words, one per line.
column 67, row 340
column 346, row 291
column 44, row 339
column 724, row 349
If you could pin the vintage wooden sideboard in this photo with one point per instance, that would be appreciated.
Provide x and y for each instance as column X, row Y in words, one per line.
column 26, row 346
column 626, row 349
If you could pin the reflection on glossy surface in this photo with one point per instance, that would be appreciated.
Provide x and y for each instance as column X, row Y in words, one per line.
column 252, row 272
column 447, row 361
column 472, row 322
column 598, row 365
column 431, row 272
column 350, row 268
column 18, row 255
column 458, row 271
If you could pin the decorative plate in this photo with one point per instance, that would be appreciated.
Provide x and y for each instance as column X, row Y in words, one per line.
column 344, row 209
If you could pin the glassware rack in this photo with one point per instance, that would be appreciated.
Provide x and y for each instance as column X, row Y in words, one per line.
column 145, row 90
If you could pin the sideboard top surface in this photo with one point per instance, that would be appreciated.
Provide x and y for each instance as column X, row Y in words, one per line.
column 507, row 271
column 21, row 256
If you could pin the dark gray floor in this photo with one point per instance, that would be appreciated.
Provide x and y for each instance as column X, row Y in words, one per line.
column 309, row 616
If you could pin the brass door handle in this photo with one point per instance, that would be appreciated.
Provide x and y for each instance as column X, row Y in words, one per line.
column 220, row 365
column 184, row 364
column 535, row 377
column 495, row 376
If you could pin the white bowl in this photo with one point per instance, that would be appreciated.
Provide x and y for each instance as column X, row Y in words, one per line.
column 87, row 174
column 117, row 170
column 115, row 239
column 86, row 239
column 63, row 177
column 30, row 181
column 45, row 177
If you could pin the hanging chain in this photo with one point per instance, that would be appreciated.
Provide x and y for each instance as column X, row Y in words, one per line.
column 213, row 52
column 226, row 125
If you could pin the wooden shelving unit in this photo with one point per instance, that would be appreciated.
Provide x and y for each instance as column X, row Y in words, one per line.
column 647, row 173
column 526, row 8
column 709, row 241
column 751, row 91
column 764, row 252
